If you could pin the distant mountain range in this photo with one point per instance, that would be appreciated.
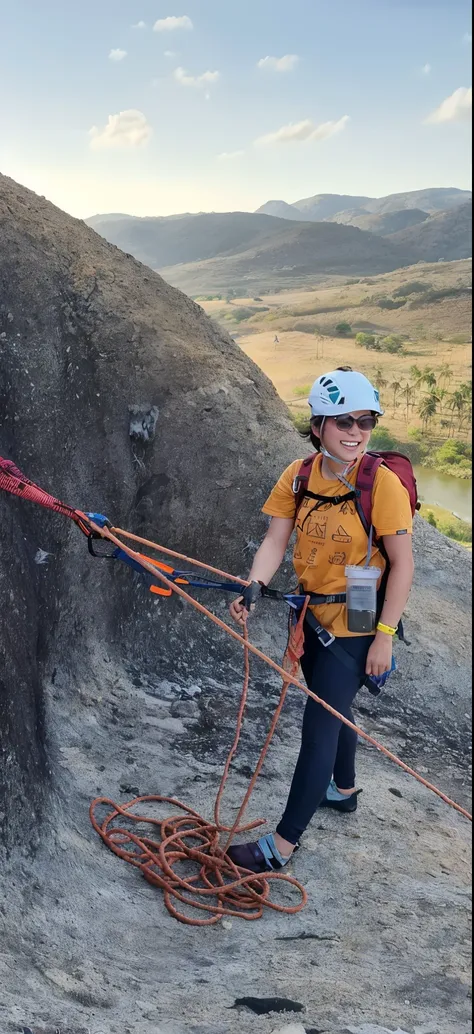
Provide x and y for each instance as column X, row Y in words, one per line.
column 215, row 251
column 322, row 207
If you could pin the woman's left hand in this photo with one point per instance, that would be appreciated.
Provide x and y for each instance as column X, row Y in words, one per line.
column 379, row 657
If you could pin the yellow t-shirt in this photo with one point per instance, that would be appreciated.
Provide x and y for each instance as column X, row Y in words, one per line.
column 332, row 536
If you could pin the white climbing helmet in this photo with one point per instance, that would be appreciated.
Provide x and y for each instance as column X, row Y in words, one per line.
column 343, row 391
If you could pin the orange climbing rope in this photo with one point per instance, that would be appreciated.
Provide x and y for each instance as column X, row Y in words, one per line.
column 219, row 887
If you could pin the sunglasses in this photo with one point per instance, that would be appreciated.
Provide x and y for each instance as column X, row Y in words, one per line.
column 364, row 423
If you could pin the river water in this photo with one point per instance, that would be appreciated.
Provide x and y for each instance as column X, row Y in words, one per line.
column 452, row 493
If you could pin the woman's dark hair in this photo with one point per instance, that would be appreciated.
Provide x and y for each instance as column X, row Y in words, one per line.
column 310, row 432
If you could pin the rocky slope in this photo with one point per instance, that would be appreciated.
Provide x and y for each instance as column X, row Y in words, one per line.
column 382, row 223
column 87, row 333
column 105, row 690
column 446, row 235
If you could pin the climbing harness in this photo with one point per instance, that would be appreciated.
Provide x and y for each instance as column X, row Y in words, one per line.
column 220, row 888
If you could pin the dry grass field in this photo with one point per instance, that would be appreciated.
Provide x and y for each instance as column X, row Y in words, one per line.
column 295, row 362
column 436, row 333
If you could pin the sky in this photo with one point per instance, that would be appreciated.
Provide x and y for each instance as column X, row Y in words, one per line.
column 156, row 107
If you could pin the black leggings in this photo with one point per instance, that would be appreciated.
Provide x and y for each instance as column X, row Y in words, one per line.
column 328, row 747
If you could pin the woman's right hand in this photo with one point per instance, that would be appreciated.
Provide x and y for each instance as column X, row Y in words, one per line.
column 243, row 605
column 238, row 611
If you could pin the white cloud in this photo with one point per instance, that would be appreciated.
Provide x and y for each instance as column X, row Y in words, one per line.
column 306, row 130
column 139, row 25
column 279, row 64
column 117, row 54
column 197, row 81
column 426, row 69
column 467, row 38
column 172, row 23
column 455, row 108
column 126, row 129
column 229, row 156
column 169, row 53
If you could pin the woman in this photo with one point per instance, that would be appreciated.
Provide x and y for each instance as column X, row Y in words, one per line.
column 344, row 410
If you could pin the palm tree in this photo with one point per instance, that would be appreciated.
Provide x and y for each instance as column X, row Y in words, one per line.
column 429, row 378
column 415, row 373
column 427, row 409
column 457, row 405
column 379, row 380
column 408, row 392
column 445, row 372
column 319, row 345
column 395, row 387
column 441, row 393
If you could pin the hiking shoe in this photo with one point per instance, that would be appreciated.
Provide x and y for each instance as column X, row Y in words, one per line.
column 339, row 801
column 258, row 856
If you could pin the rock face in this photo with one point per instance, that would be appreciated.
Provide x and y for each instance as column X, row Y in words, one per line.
column 119, row 395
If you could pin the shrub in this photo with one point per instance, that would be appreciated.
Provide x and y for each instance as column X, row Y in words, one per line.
column 390, row 303
column 416, row 451
column 365, row 340
column 382, row 438
column 392, row 343
column 430, row 517
column 454, row 453
column 240, row 314
column 302, row 391
column 416, row 287
column 460, row 530
column 343, row 329
column 300, row 421
column 447, row 292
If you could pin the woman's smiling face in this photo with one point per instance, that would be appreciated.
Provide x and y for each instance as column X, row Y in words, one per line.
column 349, row 444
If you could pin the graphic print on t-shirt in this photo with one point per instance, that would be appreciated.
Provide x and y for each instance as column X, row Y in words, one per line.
column 340, row 535
column 347, row 507
column 312, row 557
column 316, row 527
column 337, row 558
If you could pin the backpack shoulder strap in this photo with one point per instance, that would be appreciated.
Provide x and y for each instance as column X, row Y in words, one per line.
column 300, row 482
column 365, row 482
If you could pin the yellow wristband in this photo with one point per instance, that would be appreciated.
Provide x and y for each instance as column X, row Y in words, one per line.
column 386, row 628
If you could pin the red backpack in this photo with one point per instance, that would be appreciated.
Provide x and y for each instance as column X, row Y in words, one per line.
column 395, row 461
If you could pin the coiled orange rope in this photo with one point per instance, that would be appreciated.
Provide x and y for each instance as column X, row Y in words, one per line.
column 219, row 887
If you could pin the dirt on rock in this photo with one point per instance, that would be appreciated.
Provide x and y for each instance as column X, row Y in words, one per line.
column 105, row 691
